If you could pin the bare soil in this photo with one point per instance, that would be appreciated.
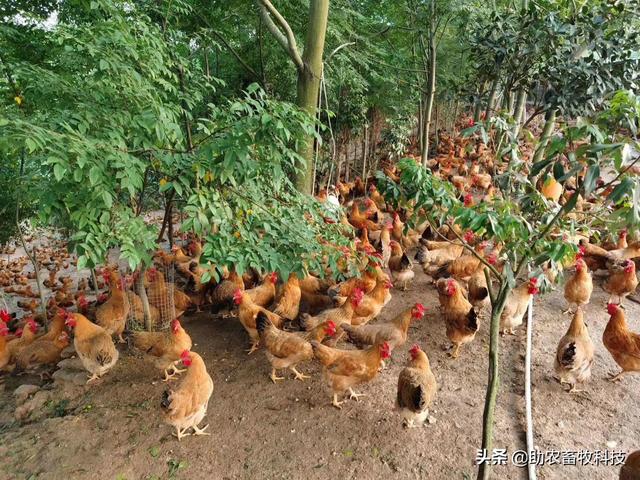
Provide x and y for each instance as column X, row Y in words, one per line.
column 114, row 430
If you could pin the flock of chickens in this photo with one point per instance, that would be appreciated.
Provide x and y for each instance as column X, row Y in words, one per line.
column 296, row 320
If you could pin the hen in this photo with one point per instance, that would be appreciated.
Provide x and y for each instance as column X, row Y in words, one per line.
column 5, row 355
column 186, row 406
column 285, row 349
column 344, row 369
column 460, row 318
column 400, row 265
column 289, row 304
column 578, row 289
column 248, row 312
column 574, row 355
column 622, row 280
column 166, row 347
column 93, row 345
column 112, row 315
column 516, row 306
column 623, row 344
column 43, row 351
column 263, row 294
column 417, row 388
column 393, row 332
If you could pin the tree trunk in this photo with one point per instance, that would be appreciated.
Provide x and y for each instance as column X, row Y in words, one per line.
column 491, row 100
column 142, row 293
column 431, row 86
column 493, row 384
column 550, row 121
column 521, row 101
column 309, row 84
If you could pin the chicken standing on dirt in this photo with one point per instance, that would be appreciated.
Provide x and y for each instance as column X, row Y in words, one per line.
column 186, row 406
column 400, row 265
column 516, row 306
column 578, row 289
column 289, row 303
column 622, row 281
column 26, row 337
column 623, row 344
column 247, row 314
column 43, row 351
column 166, row 347
column 263, row 294
column 222, row 295
column 112, row 315
column 344, row 369
column 93, row 345
column 393, row 332
column 286, row 349
column 460, row 318
column 574, row 355
column 417, row 388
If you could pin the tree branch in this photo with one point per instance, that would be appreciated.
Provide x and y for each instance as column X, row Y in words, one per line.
column 287, row 39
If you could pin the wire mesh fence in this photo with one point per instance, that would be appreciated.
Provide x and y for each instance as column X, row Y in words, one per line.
column 152, row 299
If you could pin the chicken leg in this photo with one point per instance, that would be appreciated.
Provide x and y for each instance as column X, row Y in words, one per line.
column 336, row 403
column 299, row 376
column 618, row 377
column 355, row 396
column 274, row 377
column 200, row 431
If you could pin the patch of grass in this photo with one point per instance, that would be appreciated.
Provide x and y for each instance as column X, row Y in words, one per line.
column 175, row 466
column 154, row 452
column 59, row 408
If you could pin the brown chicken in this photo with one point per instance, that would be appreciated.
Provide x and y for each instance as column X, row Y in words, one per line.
column 622, row 280
column 159, row 294
column 344, row 369
column 93, row 345
column 186, row 406
column 24, row 337
column 42, row 351
column 460, row 318
column 631, row 468
column 112, row 315
column 463, row 267
column 165, row 347
column 578, row 289
column 263, row 294
column 393, row 332
column 436, row 255
column 368, row 307
column 623, row 344
column 286, row 349
column 516, row 306
column 400, row 265
column 574, row 355
column 367, row 282
column 289, row 304
column 222, row 295
column 248, row 313
column 5, row 354
column 417, row 389
column 339, row 315
column 137, row 309
column 479, row 291
column 360, row 221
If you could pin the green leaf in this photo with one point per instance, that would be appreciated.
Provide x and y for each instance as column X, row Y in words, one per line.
column 621, row 191
column 58, row 171
column 590, row 179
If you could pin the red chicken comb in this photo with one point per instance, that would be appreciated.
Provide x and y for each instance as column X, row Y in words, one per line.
column 414, row 351
column 418, row 310
column 185, row 356
column 612, row 308
column 4, row 316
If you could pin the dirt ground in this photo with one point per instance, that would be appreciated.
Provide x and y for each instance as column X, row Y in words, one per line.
column 114, row 430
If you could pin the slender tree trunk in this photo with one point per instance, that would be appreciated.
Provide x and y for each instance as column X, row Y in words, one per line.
column 142, row 293
column 521, row 101
column 550, row 121
column 309, row 83
column 493, row 384
column 431, row 86
column 491, row 100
